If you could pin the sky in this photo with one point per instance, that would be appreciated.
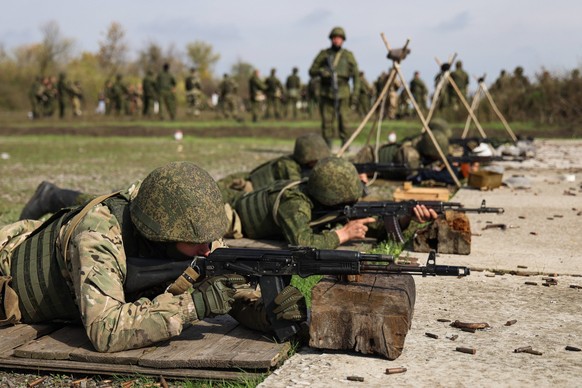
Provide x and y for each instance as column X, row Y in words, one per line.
column 487, row 35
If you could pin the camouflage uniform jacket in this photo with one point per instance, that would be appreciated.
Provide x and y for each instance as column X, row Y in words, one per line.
column 96, row 274
column 293, row 217
column 274, row 87
column 345, row 68
column 256, row 85
column 165, row 82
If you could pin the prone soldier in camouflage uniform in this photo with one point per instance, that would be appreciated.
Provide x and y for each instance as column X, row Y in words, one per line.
column 335, row 66
column 307, row 151
column 285, row 209
column 73, row 266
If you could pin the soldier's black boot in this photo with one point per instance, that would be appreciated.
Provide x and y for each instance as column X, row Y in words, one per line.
column 48, row 198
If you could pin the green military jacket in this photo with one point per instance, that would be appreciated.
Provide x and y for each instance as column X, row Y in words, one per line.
column 261, row 219
column 282, row 168
column 345, row 67
column 418, row 89
column 165, row 82
column 274, row 87
column 256, row 85
column 95, row 274
column 149, row 86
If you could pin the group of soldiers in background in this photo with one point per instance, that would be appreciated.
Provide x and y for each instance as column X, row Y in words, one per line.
column 47, row 94
column 270, row 98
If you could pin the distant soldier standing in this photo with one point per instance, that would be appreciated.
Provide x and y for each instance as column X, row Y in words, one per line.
column 227, row 99
column 274, row 93
column 419, row 90
column 461, row 78
column 166, row 85
column 149, row 88
column 64, row 93
column 336, row 66
column 193, row 88
column 365, row 96
column 293, row 85
column 256, row 89
column 119, row 94
column 35, row 97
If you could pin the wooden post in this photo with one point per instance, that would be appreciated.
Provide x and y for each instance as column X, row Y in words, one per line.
column 496, row 110
column 474, row 105
column 371, row 316
column 438, row 90
column 426, row 128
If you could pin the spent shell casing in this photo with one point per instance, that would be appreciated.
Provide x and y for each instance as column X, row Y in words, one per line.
column 391, row 371
column 468, row 329
column 443, row 320
column 573, row 348
column 512, row 322
column 453, row 337
column 355, row 378
column 522, row 349
column 534, row 352
column 530, row 283
column 431, row 335
column 466, row 350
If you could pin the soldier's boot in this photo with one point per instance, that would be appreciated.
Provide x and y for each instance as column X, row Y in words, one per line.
column 48, row 198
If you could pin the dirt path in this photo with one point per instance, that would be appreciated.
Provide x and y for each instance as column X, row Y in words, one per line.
column 547, row 316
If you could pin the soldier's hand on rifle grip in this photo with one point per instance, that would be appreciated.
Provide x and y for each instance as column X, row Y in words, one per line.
column 291, row 305
column 214, row 296
column 424, row 214
column 354, row 230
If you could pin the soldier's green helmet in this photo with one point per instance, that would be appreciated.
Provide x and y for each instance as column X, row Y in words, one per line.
column 334, row 181
column 427, row 149
column 438, row 124
column 337, row 31
column 179, row 202
column 310, row 148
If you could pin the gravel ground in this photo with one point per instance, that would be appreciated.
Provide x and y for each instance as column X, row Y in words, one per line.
column 547, row 317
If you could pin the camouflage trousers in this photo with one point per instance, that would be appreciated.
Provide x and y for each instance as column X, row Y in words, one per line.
column 329, row 117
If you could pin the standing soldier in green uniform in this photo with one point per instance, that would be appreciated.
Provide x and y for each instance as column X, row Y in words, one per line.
column 419, row 91
column 257, row 89
column 119, row 94
column 149, row 88
column 336, row 66
column 64, row 93
column 273, row 93
column 35, row 97
column 313, row 88
column 166, row 85
column 293, row 86
column 227, row 98
column 461, row 78
column 365, row 97
column 193, row 88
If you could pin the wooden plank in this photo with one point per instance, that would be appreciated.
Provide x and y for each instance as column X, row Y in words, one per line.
column 256, row 350
column 371, row 316
column 55, row 346
column 66, row 366
column 13, row 336
column 87, row 353
column 195, row 340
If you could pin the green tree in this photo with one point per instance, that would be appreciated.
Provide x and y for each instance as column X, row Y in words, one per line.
column 242, row 71
column 54, row 48
column 113, row 49
column 202, row 55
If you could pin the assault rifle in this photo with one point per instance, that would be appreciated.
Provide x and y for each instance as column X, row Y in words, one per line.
column 272, row 269
column 484, row 159
column 392, row 211
column 369, row 168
